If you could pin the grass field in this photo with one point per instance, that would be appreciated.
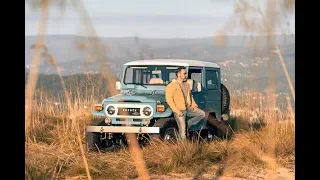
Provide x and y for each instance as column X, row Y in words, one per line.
column 53, row 150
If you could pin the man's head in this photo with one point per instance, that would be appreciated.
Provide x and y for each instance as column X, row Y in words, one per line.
column 181, row 73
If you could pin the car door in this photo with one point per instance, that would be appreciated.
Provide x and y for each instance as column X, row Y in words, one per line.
column 212, row 86
column 196, row 74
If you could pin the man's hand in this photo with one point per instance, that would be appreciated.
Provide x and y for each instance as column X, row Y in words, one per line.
column 194, row 108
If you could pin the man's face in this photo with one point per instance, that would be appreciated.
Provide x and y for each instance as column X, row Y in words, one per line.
column 183, row 74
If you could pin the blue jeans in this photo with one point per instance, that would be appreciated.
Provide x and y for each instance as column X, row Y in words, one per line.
column 196, row 115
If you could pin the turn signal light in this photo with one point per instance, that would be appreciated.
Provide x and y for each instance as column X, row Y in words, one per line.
column 160, row 108
column 97, row 107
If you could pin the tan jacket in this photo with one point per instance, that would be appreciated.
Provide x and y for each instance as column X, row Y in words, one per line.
column 175, row 97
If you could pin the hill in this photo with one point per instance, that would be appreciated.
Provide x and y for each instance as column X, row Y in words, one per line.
column 121, row 50
column 242, row 67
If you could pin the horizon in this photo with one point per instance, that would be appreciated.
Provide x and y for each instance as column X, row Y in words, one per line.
column 142, row 37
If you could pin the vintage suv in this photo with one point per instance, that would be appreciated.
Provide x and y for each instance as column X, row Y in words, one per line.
column 141, row 106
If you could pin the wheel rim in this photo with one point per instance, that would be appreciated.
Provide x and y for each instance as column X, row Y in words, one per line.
column 171, row 134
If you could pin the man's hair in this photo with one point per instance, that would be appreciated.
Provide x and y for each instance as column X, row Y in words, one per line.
column 179, row 70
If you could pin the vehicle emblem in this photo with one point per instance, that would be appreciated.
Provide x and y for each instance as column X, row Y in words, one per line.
column 129, row 110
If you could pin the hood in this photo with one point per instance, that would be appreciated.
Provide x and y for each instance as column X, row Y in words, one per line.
column 138, row 97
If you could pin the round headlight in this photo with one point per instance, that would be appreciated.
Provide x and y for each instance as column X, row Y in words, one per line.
column 147, row 111
column 111, row 110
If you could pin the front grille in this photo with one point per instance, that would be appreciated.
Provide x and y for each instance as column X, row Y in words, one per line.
column 124, row 119
column 137, row 120
column 132, row 101
column 129, row 111
column 121, row 119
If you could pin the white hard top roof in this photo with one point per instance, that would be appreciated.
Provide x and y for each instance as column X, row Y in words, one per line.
column 173, row 62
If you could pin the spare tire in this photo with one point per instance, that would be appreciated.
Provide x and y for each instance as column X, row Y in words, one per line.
column 225, row 99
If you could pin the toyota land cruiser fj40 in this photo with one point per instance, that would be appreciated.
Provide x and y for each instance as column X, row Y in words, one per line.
column 141, row 107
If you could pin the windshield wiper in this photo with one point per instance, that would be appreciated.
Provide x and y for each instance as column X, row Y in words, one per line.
column 141, row 85
column 137, row 84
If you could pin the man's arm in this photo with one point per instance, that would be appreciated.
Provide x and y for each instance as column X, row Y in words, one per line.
column 169, row 98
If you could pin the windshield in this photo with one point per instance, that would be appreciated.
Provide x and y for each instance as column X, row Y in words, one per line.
column 149, row 75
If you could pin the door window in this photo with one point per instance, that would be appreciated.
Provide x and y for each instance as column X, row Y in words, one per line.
column 196, row 75
column 211, row 80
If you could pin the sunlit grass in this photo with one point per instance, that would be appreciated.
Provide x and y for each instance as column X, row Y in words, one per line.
column 52, row 148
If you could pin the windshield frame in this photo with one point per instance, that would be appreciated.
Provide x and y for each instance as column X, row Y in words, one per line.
column 127, row 67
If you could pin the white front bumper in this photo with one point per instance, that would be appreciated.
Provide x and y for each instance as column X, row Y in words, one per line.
column 122, row 129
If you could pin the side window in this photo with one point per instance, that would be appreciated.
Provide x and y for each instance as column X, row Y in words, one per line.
column 172, row 75
column 195, row 74
column 196, row 77
column 211, row 79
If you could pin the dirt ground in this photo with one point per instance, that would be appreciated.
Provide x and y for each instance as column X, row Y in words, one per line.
column 280, row 174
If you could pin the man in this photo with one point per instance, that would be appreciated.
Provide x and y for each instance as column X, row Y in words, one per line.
column 181, row 102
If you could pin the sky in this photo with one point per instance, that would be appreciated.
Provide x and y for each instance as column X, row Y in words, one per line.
column 143, row 18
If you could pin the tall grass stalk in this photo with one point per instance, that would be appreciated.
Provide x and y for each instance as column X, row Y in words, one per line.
column 33, row 75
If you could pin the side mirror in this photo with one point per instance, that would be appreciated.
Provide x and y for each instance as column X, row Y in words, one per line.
column 118, row 85
column 199, row 87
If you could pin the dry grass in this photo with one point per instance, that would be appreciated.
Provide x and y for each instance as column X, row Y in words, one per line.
column 53, row 151
column 55, row 135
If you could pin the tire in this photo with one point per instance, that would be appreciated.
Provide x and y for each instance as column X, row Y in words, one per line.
column 225, row 99
column 94, row 142
column 168, row 129
column 93, row 139
column 171, row 133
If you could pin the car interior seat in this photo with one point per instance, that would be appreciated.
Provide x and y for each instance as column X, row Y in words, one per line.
column 156, row 81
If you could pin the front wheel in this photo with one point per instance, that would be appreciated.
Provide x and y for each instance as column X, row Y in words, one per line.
column 171, row 134
column 97, row 141
column 168, row 129
column 93, row 141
